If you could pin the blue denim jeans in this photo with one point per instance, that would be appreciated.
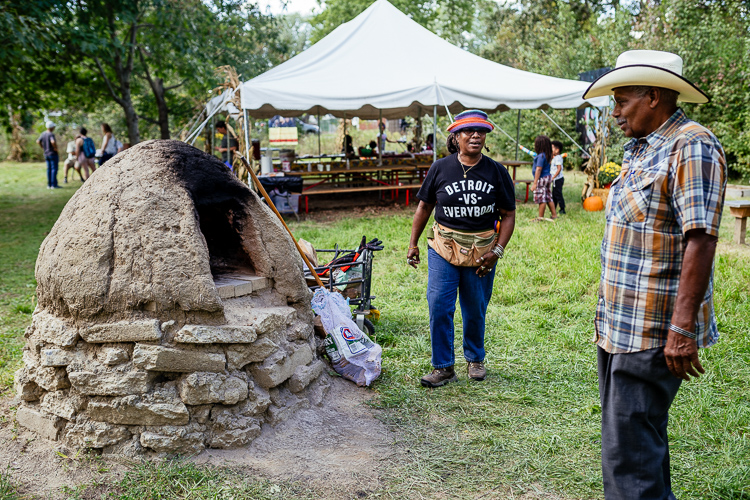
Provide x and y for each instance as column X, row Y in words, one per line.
column 53, row 162
column 443, row 281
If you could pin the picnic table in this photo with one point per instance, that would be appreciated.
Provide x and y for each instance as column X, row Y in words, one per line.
column 340, row 180
column 741, row 211
column 514, row 164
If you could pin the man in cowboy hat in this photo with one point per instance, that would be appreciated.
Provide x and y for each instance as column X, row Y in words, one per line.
column 655, row 305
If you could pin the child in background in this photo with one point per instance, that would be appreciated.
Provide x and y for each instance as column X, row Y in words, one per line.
column 542, row 185
column 71, row 161
column 558, row 179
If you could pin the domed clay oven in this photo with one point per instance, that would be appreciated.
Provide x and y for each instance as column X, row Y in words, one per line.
column 172, row 312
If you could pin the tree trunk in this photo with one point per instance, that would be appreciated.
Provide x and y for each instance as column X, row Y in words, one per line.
column 161, row 104
column 131, row 118
column 16, row 136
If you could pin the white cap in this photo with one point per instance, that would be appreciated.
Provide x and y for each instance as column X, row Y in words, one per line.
column 50, row 124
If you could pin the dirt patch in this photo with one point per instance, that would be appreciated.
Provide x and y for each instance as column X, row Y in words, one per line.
column 340, row 448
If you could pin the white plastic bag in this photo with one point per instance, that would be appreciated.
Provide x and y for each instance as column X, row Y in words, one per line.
column 353, row 355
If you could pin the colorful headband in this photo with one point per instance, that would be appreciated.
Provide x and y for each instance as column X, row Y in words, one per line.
column 472, row 118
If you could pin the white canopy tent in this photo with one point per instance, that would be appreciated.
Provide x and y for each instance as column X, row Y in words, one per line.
column 337, row 76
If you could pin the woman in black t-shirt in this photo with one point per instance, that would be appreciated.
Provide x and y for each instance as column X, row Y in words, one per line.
column 469, row 192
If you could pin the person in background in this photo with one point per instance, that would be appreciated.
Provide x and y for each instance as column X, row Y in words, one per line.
column 228, row 144
column 110, row 145
column 85, row 153
column 558, row 178
column 469, row 192
column 383, row 138
column 542, row 185
column 49, row 145
column 429, row 143
column 71, row 161
column 655, row 306
column 348, row 147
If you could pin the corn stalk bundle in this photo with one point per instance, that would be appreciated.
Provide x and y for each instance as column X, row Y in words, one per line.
column 232, row 82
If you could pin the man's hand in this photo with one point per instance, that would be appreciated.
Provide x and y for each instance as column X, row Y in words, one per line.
column 681, row 354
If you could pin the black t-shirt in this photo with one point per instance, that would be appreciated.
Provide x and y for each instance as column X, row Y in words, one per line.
column 228, row 155
column 470, row 204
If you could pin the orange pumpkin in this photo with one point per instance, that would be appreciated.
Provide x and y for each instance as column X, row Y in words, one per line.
column 593, row 204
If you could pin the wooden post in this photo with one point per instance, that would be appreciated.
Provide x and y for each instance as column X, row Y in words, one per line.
column 741, row 211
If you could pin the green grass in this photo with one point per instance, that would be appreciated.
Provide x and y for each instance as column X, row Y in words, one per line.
column 532, row 427
column 176, row 479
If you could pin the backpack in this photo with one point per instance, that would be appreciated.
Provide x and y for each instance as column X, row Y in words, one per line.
column 88, row 147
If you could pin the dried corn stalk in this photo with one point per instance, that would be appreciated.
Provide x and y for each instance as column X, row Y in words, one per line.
column 597, row 158
column 232, row 82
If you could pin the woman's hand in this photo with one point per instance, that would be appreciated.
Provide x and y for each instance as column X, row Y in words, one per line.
column 486, row 262
column 412, row 257
column 533, row 186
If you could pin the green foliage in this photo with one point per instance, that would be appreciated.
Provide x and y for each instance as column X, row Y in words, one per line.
column 447, row 18
column 713, row 38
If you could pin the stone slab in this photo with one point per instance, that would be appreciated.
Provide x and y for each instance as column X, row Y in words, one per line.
column 110, row 383
column 203, row 334
column 50, row 329
column 123, row 331
column 239, row 356
column 92, row 434
column 204, row 388
column 168, row 359
column 46, row 426
column 51, row 378
column 303, row 375
column 150, row 409
column 186, row 440
column 278, row 368
column 271, row 319
column 57, row 357
column 62, row 404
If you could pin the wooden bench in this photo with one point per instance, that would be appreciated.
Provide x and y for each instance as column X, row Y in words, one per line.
column 741, row 211
column 313, row 191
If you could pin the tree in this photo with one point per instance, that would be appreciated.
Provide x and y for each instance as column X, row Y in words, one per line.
column 448, row 18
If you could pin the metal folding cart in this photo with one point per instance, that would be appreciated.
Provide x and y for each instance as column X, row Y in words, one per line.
column 356, row 289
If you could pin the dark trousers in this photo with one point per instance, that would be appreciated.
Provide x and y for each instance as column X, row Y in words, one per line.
column 53, row 162
column 636, row 391
column 104, row 158
column 557, row 194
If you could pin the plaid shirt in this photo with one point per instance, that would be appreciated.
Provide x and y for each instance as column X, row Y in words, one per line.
column 672, row 181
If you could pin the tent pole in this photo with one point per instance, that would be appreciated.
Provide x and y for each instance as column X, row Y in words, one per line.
column 518, row 133
column 434, row 133
column 381, row 142
column 213, row 135
column 246, row 126
column 319, row 124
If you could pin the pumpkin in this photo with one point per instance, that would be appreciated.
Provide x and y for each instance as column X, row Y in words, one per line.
column 593, row 204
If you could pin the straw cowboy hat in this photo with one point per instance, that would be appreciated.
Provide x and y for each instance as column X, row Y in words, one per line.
column 651, row 68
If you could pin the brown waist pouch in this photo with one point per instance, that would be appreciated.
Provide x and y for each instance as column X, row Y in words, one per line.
column 459, row 248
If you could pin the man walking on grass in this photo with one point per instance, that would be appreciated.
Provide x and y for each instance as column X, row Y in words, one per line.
column 49, row 145
column 655, row 304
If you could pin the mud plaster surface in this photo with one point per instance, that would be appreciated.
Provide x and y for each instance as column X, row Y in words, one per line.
column 340, row 448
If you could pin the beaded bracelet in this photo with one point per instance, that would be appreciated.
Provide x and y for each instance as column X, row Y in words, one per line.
column 414, row 248
column 499, row 251
column 682, row 331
